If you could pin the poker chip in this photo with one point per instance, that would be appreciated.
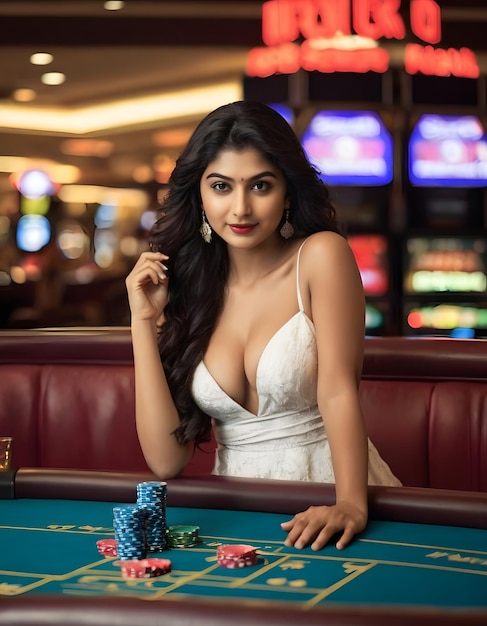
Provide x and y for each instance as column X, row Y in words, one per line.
column 144, row 568
column 236, row 556
column 183, row 536
column 107, row 547
column 151, row 500
column 129, row 527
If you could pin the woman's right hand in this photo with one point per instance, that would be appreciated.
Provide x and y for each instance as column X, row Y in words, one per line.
column 147, row 287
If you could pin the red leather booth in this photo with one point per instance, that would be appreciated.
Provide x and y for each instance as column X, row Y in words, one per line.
column 67, row 399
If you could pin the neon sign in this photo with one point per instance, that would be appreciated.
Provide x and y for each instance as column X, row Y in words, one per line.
column 342, row 36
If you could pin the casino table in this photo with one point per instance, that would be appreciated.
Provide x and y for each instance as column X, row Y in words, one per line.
column 422, row 558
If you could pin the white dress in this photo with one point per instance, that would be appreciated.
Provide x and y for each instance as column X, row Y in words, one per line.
column 287, row 438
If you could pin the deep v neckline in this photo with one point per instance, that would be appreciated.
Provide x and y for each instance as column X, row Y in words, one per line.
column 259, row 362
column 267, row 346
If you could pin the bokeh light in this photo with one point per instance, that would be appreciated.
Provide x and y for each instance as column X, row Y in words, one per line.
column 73, row 240
column 24, row 95
column 53, row 78
column 41, row 58
column 33, row 232
column 35, row 183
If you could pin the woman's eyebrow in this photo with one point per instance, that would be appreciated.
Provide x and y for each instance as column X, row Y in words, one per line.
column 256, row 177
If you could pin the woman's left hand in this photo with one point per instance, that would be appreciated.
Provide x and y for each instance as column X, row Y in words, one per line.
column 318, row 524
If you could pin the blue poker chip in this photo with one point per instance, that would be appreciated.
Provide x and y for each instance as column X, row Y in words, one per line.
column 130, row 533
column 127, row 511
column 151, row 491
column 151, row 498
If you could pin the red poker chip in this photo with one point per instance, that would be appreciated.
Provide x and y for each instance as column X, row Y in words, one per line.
column 107, row 547
column 236, row 556
column 144, row 568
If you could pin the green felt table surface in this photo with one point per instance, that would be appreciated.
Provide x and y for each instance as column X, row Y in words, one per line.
column 49, row 547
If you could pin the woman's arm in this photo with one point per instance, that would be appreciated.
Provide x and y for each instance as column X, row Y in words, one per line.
column 156, row 415
column 333, row 296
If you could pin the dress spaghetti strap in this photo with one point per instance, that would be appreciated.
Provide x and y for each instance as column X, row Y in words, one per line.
column 300, row 301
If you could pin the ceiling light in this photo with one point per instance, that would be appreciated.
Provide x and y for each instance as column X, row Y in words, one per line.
column 24, row 95
column 151, row 109
column 53, row 78
column 113, row 5
column 41, row 58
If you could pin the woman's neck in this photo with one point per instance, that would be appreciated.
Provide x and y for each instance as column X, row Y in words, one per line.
column 248, row 267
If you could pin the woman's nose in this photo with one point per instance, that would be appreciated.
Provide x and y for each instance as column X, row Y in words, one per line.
column 241, row 204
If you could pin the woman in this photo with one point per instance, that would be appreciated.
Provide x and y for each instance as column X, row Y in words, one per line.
column 248, row 313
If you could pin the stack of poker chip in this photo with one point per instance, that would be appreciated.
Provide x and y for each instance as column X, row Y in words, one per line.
column 151, row 501
column 236, row 556
column 107, row 547
column 129, row 527
column 183, row 536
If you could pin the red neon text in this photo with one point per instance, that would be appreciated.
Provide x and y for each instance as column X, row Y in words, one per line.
column 426, row 20
column 289, row 58
column 376, row 19
column 439, row 62
column 284, row 21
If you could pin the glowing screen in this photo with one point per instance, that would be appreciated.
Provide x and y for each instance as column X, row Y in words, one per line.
column 446, row 265
column 371, row 255
column 349, row 147
column 448, row 151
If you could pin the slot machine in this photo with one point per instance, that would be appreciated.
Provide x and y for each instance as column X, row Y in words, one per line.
column 445, row 247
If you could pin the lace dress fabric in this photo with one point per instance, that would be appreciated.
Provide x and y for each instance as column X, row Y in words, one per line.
column 286, row 439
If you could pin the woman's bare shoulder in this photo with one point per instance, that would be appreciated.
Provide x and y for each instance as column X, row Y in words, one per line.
column 325, row 246
column 328, row 265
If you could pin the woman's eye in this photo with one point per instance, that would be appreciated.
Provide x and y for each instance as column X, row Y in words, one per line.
column 261, row 186
column 220, row 186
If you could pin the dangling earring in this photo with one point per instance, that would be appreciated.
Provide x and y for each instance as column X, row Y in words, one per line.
column 287, row 229
column 205, row 228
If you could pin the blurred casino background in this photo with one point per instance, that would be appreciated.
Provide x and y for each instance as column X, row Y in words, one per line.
column 98, row 98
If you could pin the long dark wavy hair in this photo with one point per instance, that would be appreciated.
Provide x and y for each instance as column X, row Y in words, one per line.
column 197, row 270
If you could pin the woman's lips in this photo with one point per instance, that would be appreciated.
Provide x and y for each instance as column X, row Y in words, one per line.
column 242, row 229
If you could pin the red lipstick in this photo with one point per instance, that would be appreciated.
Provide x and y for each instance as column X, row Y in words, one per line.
column 241, row 229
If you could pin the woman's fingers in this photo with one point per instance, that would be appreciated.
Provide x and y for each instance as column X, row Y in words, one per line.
column 147, row 285
column 149, row 266
column 318, row 525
